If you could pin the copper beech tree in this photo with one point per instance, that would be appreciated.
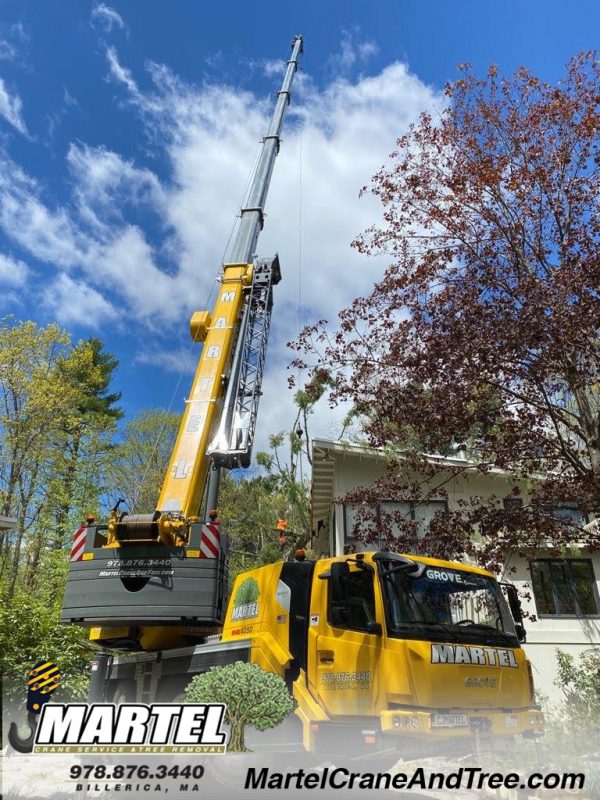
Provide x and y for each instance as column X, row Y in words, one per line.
column 485, row 327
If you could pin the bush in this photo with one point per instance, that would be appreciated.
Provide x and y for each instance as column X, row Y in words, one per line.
column 30, row 630
column 580, row 684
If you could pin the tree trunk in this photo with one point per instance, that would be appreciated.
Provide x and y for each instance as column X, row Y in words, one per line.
column 236, row 739
column 7, row 506
column 62, row 521
column 38, row 543
column 16, row 556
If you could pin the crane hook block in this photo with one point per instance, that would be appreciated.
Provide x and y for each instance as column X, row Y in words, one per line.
column 199, row 325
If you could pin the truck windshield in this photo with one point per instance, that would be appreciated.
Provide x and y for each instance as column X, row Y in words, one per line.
column 445, row 604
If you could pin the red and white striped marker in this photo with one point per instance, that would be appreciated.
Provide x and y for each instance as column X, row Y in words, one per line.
column 78, row 545
column 210, row 541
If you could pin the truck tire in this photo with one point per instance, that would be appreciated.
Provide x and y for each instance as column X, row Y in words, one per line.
column 118, row 692
column 172, row 690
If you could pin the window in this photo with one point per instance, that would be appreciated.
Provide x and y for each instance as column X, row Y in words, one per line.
column 446, row 604
column 352, row 544
column 564, row 587
column 421, row 514
column 570, row 514
column 424, row 513
column 403, row 511
column 356, row 607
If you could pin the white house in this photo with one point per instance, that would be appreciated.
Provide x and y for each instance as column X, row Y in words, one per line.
column 565, row 592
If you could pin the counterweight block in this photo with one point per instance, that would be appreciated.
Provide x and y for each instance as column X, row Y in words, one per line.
column 146, row 584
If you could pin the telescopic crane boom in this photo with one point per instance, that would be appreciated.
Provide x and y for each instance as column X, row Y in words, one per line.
column 231, row 445
column 216, row 432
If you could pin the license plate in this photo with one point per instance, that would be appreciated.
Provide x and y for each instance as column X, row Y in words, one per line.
column 449, row 721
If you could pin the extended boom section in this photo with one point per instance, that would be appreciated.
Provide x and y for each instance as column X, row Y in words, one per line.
column 184, row 483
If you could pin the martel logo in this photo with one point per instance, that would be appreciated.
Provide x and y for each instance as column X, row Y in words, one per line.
column 43, row 681
column 131, row 728
column 480, row 656
column 245, row 602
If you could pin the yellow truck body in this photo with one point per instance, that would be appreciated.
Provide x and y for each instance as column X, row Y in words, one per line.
column 431, row 679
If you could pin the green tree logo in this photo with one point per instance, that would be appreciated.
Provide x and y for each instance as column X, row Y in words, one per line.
column 252, row 696
column 248, row 592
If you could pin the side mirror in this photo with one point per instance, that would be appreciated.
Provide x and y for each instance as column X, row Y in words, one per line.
column 339, row 571
column 515, row 609
column 521, row 632
column 374, row 628
column 514, row 602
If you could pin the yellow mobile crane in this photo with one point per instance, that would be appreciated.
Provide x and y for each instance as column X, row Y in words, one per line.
column 380, row 645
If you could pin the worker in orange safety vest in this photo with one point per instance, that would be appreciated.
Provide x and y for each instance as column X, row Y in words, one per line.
column 282, row 531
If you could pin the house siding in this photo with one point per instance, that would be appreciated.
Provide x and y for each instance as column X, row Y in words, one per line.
column 354, row 467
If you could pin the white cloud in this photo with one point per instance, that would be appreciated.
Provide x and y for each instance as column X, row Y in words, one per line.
column 366, row 50
column 112, row 255
column 352, row 51
column 127, row 265
column 214, row 60
column 121, row 74
column 334, row 139
column 56, row 116
column 16, row 38
column 180, row 360
column 74, row 302
column 273, row 67
column 50, row 235
column 107, row 17
column 68, row 98
column 105, row 183
column 13, row 272
column 7, row 50
column 10, row 108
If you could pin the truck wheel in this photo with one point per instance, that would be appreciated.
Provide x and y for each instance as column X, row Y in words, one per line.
column 121, row 692
column 172, row 690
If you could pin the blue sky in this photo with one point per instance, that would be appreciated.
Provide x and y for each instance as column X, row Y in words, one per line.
column 128, row 130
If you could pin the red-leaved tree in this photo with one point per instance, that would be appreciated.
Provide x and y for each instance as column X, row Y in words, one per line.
column 485, row 327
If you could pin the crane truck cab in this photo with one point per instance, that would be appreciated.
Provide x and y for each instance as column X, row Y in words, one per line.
column 389, row 644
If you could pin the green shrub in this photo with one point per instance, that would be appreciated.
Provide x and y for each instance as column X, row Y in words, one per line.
column 30, row 630
column 579, row 681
